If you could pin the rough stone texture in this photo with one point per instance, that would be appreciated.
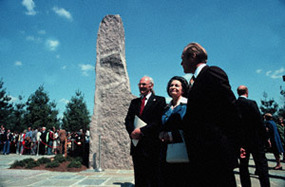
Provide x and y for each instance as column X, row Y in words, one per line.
column 112, row 99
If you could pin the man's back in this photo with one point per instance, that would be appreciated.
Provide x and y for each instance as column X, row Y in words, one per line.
column 253, row 131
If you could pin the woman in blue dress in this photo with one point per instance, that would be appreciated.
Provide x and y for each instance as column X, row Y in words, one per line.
column 174, row 174
column 275, row 142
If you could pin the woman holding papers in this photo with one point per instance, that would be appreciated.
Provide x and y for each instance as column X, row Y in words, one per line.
column 174, row 173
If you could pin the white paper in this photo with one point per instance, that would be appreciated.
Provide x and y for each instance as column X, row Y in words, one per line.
column 138, row 123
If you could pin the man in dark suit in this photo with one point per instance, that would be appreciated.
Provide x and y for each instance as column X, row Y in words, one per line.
column 43, row 141
column 210, row 123
column 145, row 154
column 254, row 138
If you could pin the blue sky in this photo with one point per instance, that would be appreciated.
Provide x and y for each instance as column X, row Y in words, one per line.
column 53, row 43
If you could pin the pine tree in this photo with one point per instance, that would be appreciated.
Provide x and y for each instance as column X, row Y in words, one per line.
column 40, row 111
column 18, row 116
column 76, row 115
column 281, row 111
column 6, row 107
column 268, row 105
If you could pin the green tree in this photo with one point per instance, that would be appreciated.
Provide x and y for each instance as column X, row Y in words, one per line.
column 268, row 106
column 18, row 116
column 40, row 111
column 76, row 115
column 6, row 107
column 281, row 111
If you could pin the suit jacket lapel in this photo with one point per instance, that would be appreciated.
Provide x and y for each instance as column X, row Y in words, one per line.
column 149, row 103
column 198, row 79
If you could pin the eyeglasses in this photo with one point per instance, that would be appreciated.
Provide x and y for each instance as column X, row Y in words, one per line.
column 142, row 84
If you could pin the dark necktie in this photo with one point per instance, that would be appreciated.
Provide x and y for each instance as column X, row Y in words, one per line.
column 192, row 80
column 142, row 105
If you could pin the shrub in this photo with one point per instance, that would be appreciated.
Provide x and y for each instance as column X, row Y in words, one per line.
column 79, row 159
column 44, row 160
column 32, row 164
column 69, row 158
column 27, row 160
column 74, row 164
column 53, row 164
column 59, row 158
column 18, row 163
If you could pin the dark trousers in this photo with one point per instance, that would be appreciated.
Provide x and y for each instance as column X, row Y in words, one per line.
column 146, row 171
column 42, row 149
column 213, row 176
column 261, row 168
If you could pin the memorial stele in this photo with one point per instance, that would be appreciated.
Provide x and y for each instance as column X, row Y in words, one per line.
column 112, row 99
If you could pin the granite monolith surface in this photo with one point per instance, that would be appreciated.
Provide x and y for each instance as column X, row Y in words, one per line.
column 112, row 99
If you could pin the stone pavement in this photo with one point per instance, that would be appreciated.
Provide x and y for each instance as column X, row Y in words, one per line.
column 107, row 178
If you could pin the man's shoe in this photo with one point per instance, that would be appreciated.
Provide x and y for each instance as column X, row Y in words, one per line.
column 278, row 168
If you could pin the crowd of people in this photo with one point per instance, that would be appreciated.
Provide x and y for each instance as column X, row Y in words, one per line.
column 216, row 129
column 41, row 141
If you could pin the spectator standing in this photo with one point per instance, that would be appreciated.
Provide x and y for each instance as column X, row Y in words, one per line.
column 281, row 130
column 211, row 121
column 7, row 140
column 253, row 139
column 146, row 154
column 275, row 142
column 23, row 138
column 50, row 138
column 43, row 141
column 2, row 131
column 34, row 142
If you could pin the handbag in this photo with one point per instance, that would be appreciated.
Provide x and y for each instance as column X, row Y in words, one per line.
column 176, row 152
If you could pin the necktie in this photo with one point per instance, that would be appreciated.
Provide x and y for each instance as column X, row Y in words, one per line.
column 142, row 105
column 192, row 81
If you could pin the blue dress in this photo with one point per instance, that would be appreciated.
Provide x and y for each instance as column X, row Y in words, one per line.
column 174, row 174
column 274, row 137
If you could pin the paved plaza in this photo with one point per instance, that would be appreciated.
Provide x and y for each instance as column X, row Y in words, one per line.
column 106, row 178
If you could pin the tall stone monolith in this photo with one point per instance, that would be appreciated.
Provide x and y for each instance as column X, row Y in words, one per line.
column 112, row 99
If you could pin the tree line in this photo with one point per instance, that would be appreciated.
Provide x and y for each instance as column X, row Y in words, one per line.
column 269, row 105
column 40, row 111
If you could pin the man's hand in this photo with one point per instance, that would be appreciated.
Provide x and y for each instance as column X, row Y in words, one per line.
column 164, row 137
column 136, row 134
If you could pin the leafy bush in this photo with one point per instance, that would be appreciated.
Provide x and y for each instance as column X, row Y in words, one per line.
column 32, row 164
column 74, row 164
column 59, row 158
column 18, row 163
column 27, row 160
column 44, row 160
column 53, row 164
column 69, row 158
column 79, row 159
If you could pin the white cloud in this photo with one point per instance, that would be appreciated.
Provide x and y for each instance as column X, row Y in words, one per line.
column 52, row 44
column 63, row 67
column 57, row 56
column 63, row 100
column 258, row 70
column 62, row 13
column 277, row 74
column 18, row 63
column 42, row 32
column 85, row 68
column 13, row 99
column 30, row 5
column 34, row 39
column 268, row 73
